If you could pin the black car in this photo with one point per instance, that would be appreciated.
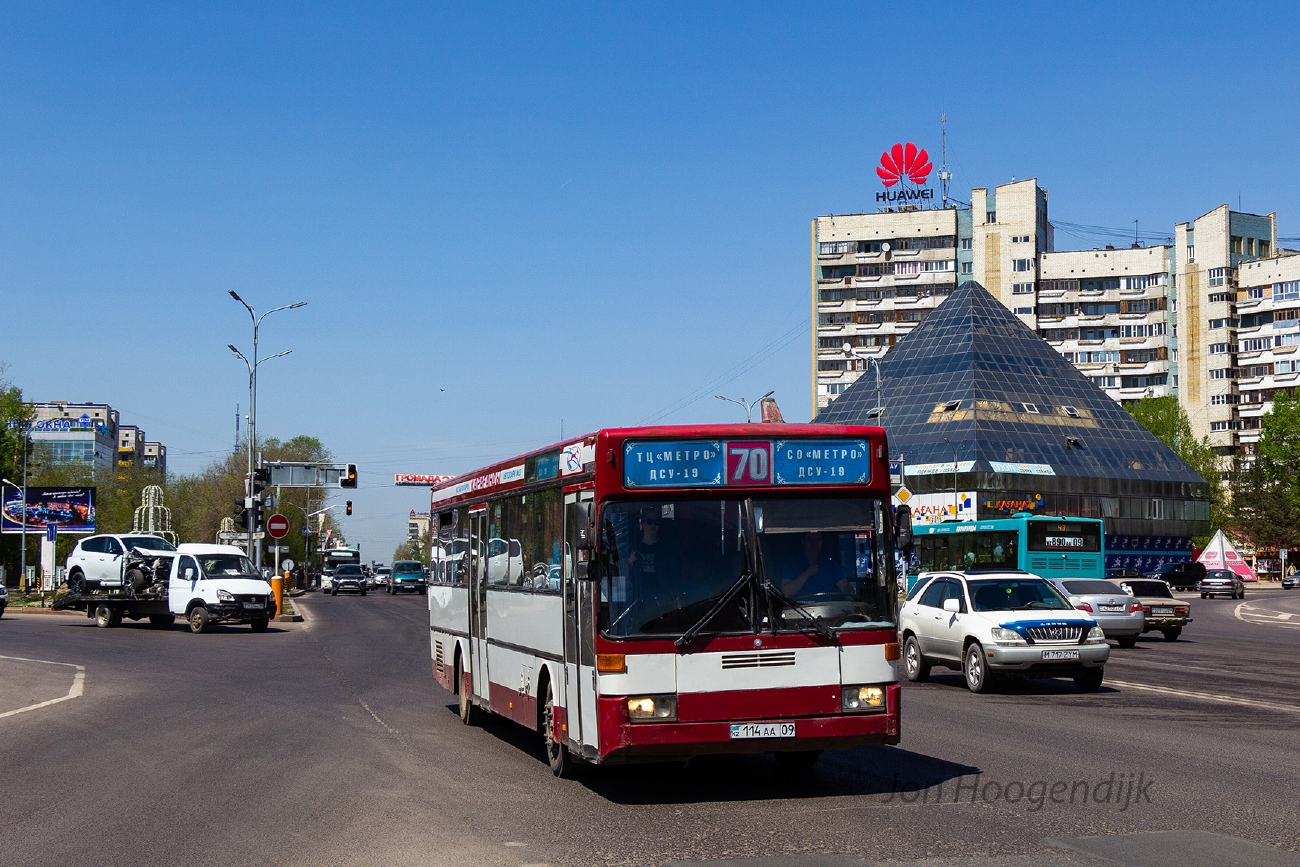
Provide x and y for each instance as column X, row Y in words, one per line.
column 1184, row 575
column 349, row 577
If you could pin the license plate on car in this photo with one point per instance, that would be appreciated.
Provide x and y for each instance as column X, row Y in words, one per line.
column 1060, row 654
column 1162, row 611
column 254, row 605
column 1111, row 607
column 762, row 730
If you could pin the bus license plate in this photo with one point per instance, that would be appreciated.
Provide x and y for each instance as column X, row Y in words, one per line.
column 762, row 730
column 1060, row 654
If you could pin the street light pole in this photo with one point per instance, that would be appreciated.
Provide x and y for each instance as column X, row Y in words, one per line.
column 252, row 410
column 954, row 474
column 850, row 352
column 747, row 406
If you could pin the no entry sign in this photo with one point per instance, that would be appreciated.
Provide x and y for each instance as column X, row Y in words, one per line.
column 277, row 526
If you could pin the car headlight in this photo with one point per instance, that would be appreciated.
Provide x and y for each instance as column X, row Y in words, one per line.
column 1096, row 635
column 225, row 596
column 1008, row 637
column 652, row 708
column 862, row 698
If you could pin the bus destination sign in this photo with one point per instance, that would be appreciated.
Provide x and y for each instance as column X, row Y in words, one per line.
column 745, row 463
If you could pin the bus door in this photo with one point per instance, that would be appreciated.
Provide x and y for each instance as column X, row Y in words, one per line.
column 478, row 602
column 579, row 639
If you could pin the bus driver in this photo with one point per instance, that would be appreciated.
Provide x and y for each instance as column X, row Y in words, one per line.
column 809, row 572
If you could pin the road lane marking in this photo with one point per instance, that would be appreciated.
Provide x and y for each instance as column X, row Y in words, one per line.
column 1224, row 699
column 77, row 690
column 1248, row 613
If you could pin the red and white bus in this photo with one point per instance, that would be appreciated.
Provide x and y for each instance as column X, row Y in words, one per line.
column 650, row 594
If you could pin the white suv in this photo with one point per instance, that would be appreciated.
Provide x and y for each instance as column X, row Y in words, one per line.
column 998, row 623
column 96, row 561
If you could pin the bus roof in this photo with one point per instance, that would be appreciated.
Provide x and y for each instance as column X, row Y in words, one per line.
column 574, row 459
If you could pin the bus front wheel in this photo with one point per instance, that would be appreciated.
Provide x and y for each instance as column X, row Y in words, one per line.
column 557, row 753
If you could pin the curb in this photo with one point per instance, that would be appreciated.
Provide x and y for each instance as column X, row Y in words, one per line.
column 11, row 610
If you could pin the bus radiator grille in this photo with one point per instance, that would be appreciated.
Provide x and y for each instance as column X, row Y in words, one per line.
column 757, row 660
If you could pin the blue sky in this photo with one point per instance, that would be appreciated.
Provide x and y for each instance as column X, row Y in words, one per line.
column 505, row 219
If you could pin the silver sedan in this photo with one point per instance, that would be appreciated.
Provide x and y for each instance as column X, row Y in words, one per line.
column 1119, row 615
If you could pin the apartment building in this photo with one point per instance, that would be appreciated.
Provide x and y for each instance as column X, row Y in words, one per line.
column 1207, row 253
column 1009, row 233
column 1268, row 339
column 1107, row 312
column 155, row 457
column 91, row 434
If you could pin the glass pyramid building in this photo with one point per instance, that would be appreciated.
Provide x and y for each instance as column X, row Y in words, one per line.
column 1027, row 432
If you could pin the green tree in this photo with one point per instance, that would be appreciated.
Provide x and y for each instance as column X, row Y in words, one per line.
column 1266, row 490
column 414, row 549
column 15, row 416
column 1166, row 418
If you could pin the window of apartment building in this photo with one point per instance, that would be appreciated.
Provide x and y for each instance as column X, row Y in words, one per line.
column 1024, row 311
column 834, row 318
column 1255, row 370
column 1022, row 288
column 1066, row 309
column 1222, row 373
column 1220, row 348
column 967, row 268
column 1105, row 381
column 911, row 315
column 837, row 295
column 1292, row 339
column 1224, row 400
column 1250, row 246
column 873, row 317
column 1229, row 322
column 968, row 243
column 1148, row 381
column 1263, row 249
column 1145, row 282
column 907, row 268
column 1216, row 426
column 1100, row 356
column 1255, row 292
column 837, row 272
column 1191, row 253
column 1143, row 356
column 941, row 242
column 1020, row 239
column 1218, row 276
column 1216, row 297
column 831, row 248
column 1059, row 285
column 1255, row 344
column 1099, row 308
column 1286, row 315
column 1236, row 245
column 875, row 269
column 835, row 388
column 1022, row 265
column 1288, row 291
column 832, row 364
column 990, row 216
column 1281, row 368
column 939, row 265
column 1101, row 284
column 1143, row 305
column 1059, row 334
column 1099, row 333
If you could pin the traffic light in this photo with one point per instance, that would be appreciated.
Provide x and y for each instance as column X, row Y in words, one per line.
column 261, row 478
column 349, row 507
column 349, row 477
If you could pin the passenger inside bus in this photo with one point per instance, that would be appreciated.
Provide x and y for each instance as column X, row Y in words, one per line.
column 811, row 572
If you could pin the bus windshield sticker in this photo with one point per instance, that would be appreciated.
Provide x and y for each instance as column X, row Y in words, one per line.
column 672, row 463
column 822, row 462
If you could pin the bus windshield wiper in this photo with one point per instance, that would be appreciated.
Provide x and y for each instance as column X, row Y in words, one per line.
column 740, row 583
column 790, row 604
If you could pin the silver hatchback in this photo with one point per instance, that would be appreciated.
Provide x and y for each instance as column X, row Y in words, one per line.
column 1119, row 615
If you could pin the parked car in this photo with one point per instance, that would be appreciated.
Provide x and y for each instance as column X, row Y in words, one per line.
column 407, row 575
column 348, row 577
column 1119, row 615
column 990, row 625
column 1291, row 582
column 1184, row 575
column 1163, row 613
column 383, row 575
column 1222, row 582
column 103, row 560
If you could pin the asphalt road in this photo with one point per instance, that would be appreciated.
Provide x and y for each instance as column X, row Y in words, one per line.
column 329, row 743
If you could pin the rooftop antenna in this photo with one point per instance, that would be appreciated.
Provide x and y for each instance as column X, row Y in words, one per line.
column 1135, row 233
column 944, row 175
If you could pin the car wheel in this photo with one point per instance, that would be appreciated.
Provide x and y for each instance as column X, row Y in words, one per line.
column 797, row 762
column 161, row 621
column 363, row 593
column 107, row 618
column 259, row 625
column 1127, row 641
column 422, row 591
column 915, row 668
column 1172, row 634
column 978, row 676
column 1088, row 680
column 199, row 619
column 133, row 581
column 76, row 583
column 1242, row 594
column 557, row 754
column 1205, row 595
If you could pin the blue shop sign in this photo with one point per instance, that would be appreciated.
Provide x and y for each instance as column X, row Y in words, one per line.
column 672, row 464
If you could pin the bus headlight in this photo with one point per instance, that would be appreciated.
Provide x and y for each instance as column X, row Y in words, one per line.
column 1008, row 637
column 863, row 698
column 652, row 708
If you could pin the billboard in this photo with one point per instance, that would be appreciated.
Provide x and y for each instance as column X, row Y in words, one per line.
column 72, row 510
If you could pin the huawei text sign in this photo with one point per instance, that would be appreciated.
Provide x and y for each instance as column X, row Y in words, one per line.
column 904, row 162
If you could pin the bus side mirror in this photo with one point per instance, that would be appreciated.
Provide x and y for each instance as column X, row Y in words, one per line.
column 589, row 570
column 584, row 529
column 903, row 528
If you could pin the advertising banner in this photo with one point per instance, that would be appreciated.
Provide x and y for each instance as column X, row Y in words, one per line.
column 72, row 510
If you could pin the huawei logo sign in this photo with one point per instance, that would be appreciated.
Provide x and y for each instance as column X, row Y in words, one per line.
column 904, row 160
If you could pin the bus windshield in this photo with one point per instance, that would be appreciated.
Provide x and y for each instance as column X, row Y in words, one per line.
column 668, row 563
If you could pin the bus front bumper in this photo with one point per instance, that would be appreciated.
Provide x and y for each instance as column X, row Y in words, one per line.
column 624, row 741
